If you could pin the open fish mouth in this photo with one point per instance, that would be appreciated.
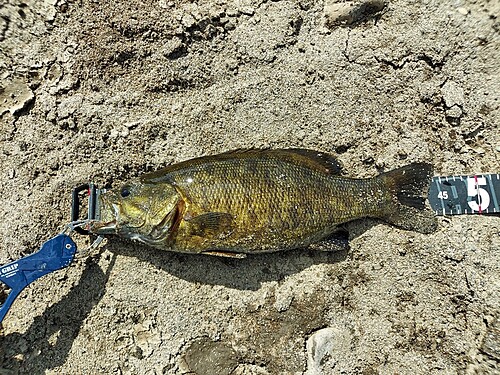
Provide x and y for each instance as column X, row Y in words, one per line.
column 107, row 222
column 100, row 227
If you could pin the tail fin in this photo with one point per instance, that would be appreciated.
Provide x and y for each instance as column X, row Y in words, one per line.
column 409, row 186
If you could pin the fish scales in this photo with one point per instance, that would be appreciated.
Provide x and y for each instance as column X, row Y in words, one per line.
column 258, row 201
column 270, row 197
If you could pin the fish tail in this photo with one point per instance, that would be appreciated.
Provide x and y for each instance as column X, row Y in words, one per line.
column 408, row 187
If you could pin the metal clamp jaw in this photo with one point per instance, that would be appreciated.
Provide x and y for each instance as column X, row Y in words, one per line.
column 93, row 209
column 56, row 253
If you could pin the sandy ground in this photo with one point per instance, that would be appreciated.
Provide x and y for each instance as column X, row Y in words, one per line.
column 106, row 90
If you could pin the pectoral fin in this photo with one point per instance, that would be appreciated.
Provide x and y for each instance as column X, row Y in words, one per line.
column 211, row 223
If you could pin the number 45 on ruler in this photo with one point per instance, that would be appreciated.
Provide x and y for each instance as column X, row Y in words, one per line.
column 455, row 195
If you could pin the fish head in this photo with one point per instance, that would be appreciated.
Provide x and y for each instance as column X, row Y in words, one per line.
column 138, row 210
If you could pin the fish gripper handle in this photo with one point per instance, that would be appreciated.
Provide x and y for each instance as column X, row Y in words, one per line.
column 56, row 253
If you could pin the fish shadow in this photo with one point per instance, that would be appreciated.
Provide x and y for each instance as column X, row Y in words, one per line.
column 244, row 274
column 248, row 273
column 46, row 343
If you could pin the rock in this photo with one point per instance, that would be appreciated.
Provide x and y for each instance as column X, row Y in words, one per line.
column 67, row 83
column 207, row 357
column 54, row 73
column 323, row 344
column 164, row 4
column 350, row 12
column 479, row 150
column 463, row 11
column 454, row 112
column 232, row 63
column 172, row 46
column 114, row 133
column 125, row 132
column 455, row 254
column 453, row 94
column 247, row 10
column 50, row 10
column 232, row 12
column 132, row 124
column 137, row 352
column 15, row 97
column 188, row 20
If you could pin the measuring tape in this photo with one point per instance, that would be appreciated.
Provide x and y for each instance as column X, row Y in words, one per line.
column 457, row 195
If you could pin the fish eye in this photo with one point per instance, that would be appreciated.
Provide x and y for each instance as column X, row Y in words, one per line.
column 125, row 192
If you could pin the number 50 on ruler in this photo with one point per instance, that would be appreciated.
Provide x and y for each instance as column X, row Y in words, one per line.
column 456, row 195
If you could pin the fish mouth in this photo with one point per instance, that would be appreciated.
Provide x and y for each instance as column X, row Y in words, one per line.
column 99, row 227
column 108, row 215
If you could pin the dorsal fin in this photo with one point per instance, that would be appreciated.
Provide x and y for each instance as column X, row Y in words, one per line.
column 326, row 162
column 319, row 161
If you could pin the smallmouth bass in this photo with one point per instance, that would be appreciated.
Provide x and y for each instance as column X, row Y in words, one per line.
column 259, row 201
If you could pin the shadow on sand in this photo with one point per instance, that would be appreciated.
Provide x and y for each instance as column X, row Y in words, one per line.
column 243, row 274
column 32, row 352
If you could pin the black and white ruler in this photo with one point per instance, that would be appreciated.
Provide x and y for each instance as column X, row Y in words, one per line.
column 458, row 195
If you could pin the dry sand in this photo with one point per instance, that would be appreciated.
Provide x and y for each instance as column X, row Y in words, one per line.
column 106, row 90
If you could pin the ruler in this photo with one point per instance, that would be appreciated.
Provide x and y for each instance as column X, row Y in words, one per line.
column 459, row 195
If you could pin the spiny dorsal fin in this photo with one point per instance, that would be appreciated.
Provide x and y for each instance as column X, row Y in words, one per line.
column 319, row 161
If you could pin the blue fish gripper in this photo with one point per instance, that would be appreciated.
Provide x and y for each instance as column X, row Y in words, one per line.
column 56, row 253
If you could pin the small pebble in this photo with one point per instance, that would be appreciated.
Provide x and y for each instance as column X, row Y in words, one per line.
column 463, row 11
column 132, row 125
column 479, row 150
column 453, row 94
column 454, row 112
column 377, row 266
column 188, row 20
column 232, row 64
column 171, row 46
column 350, row 12
column 249, row 11
column 113, row 134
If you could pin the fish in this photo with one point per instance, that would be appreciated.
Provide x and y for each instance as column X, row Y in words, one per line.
column 259, row 200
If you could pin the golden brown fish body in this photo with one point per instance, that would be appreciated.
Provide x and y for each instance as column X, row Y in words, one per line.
column 259, row 201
